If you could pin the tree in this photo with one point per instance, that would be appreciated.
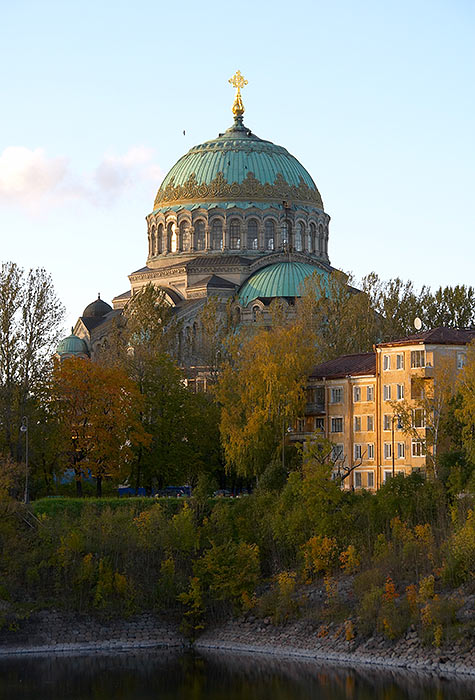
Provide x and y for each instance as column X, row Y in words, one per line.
column 428, row 408
column 450, row 306
column 340, row 317
column 466, row 412
column 396, row 304
column 30, row 324
column 262, row 388
column 95, row 409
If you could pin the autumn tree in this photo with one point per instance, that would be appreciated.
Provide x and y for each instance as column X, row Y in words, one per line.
column 30, row 326
column 339, row 316
column 95, row 410
column 262, row 388
column 423, row 415
column 466, row 412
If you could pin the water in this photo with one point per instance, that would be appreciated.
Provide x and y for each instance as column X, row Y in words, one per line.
column 167, row 675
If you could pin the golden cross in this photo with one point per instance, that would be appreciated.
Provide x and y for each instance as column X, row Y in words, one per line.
column 238, row 81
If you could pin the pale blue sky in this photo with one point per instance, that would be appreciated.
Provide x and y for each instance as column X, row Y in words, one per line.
column 376, row 99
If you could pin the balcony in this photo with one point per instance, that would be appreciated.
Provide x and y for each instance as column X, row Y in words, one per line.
column 314, row 408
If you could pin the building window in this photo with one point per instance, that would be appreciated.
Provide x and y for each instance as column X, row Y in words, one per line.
column 418, row 448
column 217, row 235
column 370, row 480
column 235, row 234
column 369, row 423
column 357, row 479
column 313, row 236
column 387, row 392
column 401, row 450
column 270, row 234
column 336, row 394
column 417, row 388
column 356, row 394
column 399, row 391
column 300, row 425
column 357, row 424
column 319, row 425
column 358, row 451
column 387, row 418
column 400, row 360
column 337, row 425
column 370, row 449
column 370, row 393
column 418, row 418
column 387, row 475
column 387, row 450
column 200, row 235
column 252, row 234
column 399, row 423
column 461, row 360
column 256, row 312
column 418, row 358
column 337, row 453
column 386, row 362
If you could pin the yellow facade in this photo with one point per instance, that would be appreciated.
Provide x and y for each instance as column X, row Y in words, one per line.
column 384, row 421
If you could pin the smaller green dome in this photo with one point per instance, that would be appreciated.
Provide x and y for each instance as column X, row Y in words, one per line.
column 283, row 279
column 72, row 345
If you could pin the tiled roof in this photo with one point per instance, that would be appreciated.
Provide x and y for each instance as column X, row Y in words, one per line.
column 124, row 295
column 213, row 281
column 354, row 365
column 436, row 336
column 217, row 261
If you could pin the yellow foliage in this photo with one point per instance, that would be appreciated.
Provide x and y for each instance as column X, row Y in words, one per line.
column 426, row 588
column 349, row 560
column 389, row 594
column 438, row 636
column 319, row 555
column 349, row 630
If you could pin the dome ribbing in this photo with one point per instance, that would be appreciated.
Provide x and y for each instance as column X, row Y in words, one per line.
column 278, row 280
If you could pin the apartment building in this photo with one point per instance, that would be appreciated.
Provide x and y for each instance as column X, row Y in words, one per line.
column 374, row 406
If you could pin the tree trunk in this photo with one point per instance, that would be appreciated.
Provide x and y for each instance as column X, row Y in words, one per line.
column 99, row 486
column 79, row 488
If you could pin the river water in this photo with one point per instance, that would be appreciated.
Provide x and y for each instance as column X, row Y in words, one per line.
column 166, row 675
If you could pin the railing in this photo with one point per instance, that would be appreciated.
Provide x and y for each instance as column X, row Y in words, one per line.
column 313, row 407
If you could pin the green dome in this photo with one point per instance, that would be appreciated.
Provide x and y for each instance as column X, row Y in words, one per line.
column 238, row 166
column 283, row 279
column 72, row 345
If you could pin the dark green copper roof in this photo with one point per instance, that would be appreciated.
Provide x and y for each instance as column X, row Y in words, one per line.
column 232, row 159
column 72, row 345
column 283, row 279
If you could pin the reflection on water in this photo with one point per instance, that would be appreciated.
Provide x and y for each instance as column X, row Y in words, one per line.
column 164, row 674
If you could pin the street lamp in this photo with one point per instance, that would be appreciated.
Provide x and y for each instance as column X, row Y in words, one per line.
column 392, row 439
column 24, row 429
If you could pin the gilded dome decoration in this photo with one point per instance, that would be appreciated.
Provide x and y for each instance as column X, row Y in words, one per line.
column 238, row 166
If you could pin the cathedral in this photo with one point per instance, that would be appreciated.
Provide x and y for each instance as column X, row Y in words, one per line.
column 238, row 218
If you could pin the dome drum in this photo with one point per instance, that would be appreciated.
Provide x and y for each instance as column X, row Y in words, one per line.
column 253, row 230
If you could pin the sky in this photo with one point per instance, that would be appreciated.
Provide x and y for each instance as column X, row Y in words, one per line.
column 375, row 99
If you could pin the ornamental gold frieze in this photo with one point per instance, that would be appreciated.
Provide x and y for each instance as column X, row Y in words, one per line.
column 249, row 189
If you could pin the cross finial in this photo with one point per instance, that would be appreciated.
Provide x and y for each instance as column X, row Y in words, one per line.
column 238, row 81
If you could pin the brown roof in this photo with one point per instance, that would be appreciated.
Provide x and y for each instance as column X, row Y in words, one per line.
column 354, row 365
column 435, row 336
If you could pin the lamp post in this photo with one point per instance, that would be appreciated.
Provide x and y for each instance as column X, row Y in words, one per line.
column 24, row 429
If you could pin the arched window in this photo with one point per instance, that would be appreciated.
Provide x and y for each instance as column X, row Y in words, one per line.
column 299, row 237
column 200, row 235
column 321, row 239
column 256, row 312
column 252, row 234
column 235, row 234
column 285, row 234
column 172, row 238
column 160, row 238
column 270, row 234
column 184, row 236
column 308, row 241
column 217, row 235
column 153, row 241
column 313, row 236
column 237, row 315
